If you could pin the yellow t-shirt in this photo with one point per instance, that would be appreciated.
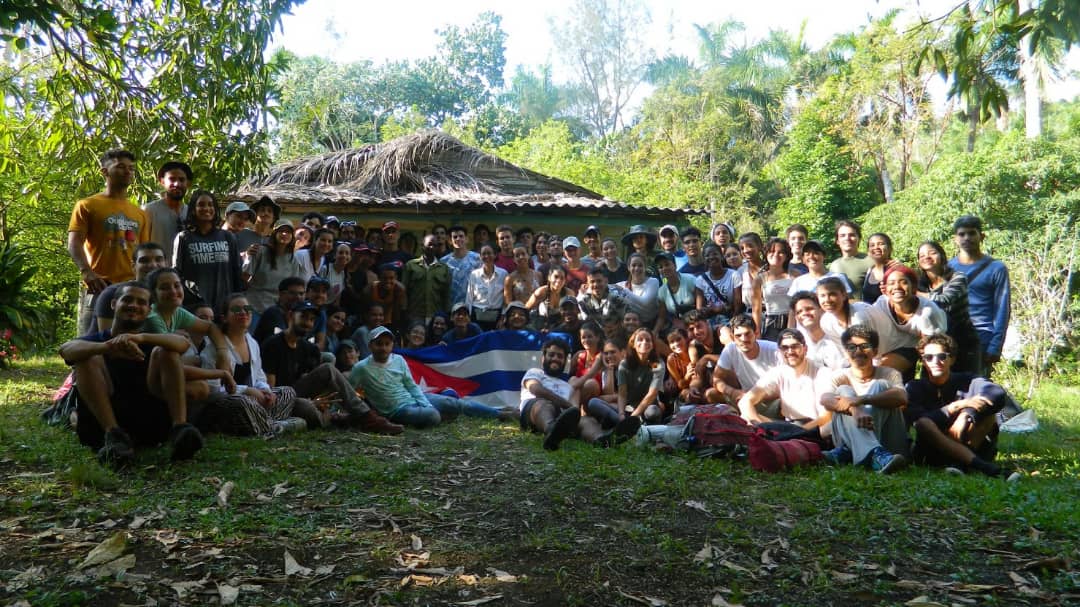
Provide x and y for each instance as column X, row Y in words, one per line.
column 113, row 228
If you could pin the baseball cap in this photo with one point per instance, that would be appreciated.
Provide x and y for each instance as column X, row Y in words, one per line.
column 304, row 306
column 592, row 229
column 318, row 281
column 284, row 223
column 458, row 306
column 239, row 207
column 515, row 304
column 332, row 219
column 571, row 241
column 669, row 228
column 813, row 246
column 663, row 256
column 390, row 225
column 568, row 300
column 378, row 332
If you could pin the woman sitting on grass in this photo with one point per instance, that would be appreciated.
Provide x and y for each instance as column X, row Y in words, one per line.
column 253, row 408
column 641, row 378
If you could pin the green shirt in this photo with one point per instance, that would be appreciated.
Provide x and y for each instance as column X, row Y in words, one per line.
column 181, row 320
column 855, row 268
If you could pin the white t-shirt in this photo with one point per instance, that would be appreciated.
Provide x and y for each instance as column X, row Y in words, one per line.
column 806, row 282
column 726, row 285
column 827, row 352
column 861, row 314
column 929, row 319
column 555, row 384
column 749, row 371
column 798, row 392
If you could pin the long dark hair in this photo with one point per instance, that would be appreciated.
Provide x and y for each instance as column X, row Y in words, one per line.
column 189, row 217
column 632, row 359
column 270, row 248
column 946, row 270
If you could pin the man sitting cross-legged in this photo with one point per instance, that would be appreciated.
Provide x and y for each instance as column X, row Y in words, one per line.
column 131, row 385
column 794, row 383
column 389, row 385
column 290, row 360
column 954, row 414
column 866, row 401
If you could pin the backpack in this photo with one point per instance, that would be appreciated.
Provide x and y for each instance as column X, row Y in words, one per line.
column 718, row 435
column 779, row 455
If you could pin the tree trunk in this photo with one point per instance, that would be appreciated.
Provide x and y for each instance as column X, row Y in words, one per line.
column 1029, row 71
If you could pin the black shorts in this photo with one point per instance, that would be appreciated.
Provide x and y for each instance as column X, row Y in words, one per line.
column 143, row 416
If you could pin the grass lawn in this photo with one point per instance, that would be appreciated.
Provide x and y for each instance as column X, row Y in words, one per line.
column 475, row 512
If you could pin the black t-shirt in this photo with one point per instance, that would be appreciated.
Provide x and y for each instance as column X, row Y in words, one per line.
column 272, row 318
column 925, row 397
column 288, row 364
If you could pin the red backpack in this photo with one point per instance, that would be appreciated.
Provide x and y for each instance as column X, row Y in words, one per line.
column 718, row 435
column 775, row 456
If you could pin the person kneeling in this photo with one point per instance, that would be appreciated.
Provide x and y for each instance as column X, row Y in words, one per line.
column 131, row 385
column 389, row 386
column 954, row 414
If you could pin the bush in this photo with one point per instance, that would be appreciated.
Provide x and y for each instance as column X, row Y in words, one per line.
column 20, row 320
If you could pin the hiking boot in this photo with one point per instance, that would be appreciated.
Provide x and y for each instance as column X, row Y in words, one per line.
column 627, row 427
column 374, row 423
column 883, row 462
column 508, row 414
column 839, row 456
column 117, row 452
column 953, row 471
column 186, row 440
column 562, row 427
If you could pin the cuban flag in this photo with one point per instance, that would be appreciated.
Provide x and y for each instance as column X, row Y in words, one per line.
column 487, row 368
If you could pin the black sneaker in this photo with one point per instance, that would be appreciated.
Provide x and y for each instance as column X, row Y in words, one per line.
column 186, row 440
column 562, row 427
column 117, row 452
column 620, row 433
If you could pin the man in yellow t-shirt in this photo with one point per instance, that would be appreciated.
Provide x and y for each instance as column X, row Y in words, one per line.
column 104, row 231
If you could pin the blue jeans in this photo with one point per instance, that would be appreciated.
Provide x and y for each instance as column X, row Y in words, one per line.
column 416, row 416
column 450, row 406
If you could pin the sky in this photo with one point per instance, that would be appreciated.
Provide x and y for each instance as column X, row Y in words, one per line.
column 351, row 30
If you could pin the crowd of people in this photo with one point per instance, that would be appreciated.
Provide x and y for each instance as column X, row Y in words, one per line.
column 192, row 320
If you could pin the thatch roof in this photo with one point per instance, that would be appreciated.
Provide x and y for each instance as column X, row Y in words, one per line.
column 427, row 169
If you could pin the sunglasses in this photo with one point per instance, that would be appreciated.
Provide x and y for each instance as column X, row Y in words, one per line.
column 853, row 348
column 790, row 347
column 940, row 357
column 242, row 309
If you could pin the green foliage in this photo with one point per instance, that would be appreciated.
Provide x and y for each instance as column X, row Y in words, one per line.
column 22, row 321
column 172, row 79
column 823, row 179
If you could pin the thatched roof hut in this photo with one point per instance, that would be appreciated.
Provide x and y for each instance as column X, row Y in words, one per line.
column 432, row 177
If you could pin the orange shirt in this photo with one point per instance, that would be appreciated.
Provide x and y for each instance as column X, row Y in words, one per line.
column 113, row 228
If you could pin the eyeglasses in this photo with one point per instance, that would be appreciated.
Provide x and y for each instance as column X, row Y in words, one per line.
column 610, row 352
column 790, row 347
column 939, row 357
column 248, row 309
column 853, row 348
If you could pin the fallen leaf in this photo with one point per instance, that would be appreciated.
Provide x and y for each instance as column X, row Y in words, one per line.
column 1018, row 579
column 137, row 522
column 417, row 543
column 766, row 559
column 486, row 599
column 106, row 551
column 228, row 593
column 502, row 576
column 281, row 488
column 468, row 579
column 183, row 589
column 224, row 493
column 841, row 576
column 720, row 601
column 645, row 600
column 167, row 537
column 417, row 580
column 114, row 567
column 705, row 555
column 26, row 578
column 696, row 505
column 733, row 566
column 1053, row 563
column 332, row 488
column 294, row 568
column 924, row 601
column 324, row 569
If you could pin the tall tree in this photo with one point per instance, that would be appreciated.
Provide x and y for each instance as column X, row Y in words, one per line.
column 604, row 42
